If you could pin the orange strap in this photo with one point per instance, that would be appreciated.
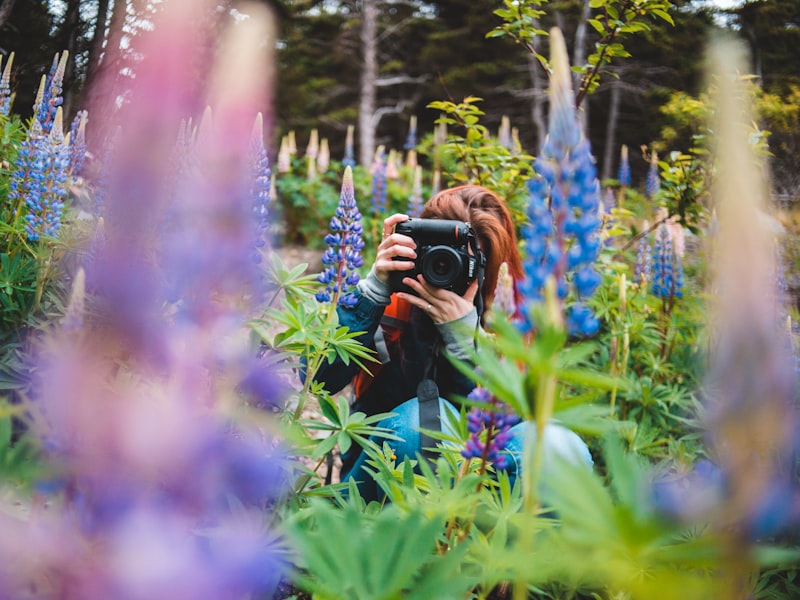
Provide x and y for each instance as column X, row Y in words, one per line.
column 393, row 323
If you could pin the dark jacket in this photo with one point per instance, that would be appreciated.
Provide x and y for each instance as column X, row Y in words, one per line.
column 420, row 349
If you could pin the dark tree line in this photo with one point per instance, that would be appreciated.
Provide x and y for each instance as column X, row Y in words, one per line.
column 375, row 63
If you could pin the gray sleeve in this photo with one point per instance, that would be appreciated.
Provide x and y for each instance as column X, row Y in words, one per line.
column 375, row 290
column 458, row 335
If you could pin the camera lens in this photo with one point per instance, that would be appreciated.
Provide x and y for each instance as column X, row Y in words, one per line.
column 441, row 266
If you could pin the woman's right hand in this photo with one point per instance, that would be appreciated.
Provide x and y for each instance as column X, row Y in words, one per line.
column 394, row 245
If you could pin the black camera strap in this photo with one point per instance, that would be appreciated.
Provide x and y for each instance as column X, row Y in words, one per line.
column 480, row 269
column 429, row 414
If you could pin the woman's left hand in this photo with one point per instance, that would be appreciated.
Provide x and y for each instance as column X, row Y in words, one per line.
column 440, row 304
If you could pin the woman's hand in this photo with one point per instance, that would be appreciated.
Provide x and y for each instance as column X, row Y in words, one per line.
column 394, row 245
column 440, row 304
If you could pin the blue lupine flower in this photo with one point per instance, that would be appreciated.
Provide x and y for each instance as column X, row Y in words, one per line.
column 643, row 269
column 259, row 191
column 49, row 98
column 40, row 179
column 379, row 182
column 349, row 158
column 489, row 426
column 343, row 256
column 411, row 139
column 561, row 236
column 5, row 87
column 77, row 143
column 653, row 181
column 415, row 202
column 624, row 174
column 667, row 268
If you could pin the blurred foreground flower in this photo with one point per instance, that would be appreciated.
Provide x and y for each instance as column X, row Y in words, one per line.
column 156, row 490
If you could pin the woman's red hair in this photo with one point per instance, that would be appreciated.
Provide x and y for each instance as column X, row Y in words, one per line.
column 491, row 220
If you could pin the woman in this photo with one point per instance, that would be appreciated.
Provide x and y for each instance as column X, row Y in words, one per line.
column 426, row 327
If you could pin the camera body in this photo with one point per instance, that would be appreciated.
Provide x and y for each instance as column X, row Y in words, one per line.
column 443, row 255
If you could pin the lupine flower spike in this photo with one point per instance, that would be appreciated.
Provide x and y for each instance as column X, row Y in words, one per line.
column 77, row 143
column 624, row 173
column 51, row 98
column 504, row 133
column 561, row 236
column 392, row 172
column 415, row 202
column 642, row 271
column 411, row 143
column 284, row 157
column 667, row 268
column 343, row 256
column 379, row 182
column 324, row 156
column 653, row 181
column 349, row 158
column 312, row 151
column 259, row 190
column 504, row 296
column 489, row 425
column 5, row 86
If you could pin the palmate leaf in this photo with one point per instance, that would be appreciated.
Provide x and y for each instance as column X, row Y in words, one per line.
column 338, row 546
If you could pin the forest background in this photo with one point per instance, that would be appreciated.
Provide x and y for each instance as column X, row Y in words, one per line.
column 374, row 64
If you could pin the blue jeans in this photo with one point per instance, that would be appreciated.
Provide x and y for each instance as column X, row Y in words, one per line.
column 559, row 444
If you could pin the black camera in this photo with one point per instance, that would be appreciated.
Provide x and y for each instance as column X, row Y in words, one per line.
column 443, row 254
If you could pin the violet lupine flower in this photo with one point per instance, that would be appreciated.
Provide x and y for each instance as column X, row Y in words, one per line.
column 642, row 270
column 77, row 143
column 349, row 158
column 624, row 173
column 653, row 182
column 162, row 495
column 379, row 182
column 343, row 256
column 260, row 188
column 50, row 98
column 561, row 236
column 5, row 87
column 489, row 426
column 411, row 138
column 415, row 202
column 667, row 268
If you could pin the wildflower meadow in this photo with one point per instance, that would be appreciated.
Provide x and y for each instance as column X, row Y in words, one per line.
column 162, row 434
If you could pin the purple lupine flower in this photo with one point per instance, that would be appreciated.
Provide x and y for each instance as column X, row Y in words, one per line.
column 379, row 182
column 102, row 186
column 5, row 87
column 411, row 138
column 561, row 236
column 643, row 269
column 504, row 294
column 259, row 191
column 50, row 98
column 77, row 143
column 504, row 137
column 489, row 426
column 624, row 173
column 343, row 256
column 349, row 158
column 653, row 182
column 416, row 201
column 162, row 493
column 667, row 268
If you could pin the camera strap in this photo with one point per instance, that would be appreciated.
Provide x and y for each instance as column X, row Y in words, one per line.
column 429, row 414
column 480, row 269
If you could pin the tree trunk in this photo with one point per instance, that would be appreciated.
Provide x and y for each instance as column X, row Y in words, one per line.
column 539, row 96
column 369, row 79
column 6, row 6
column 99, row 36
column 102, row 75
column 69, row 31
column 611, row 131
column 579, row 59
